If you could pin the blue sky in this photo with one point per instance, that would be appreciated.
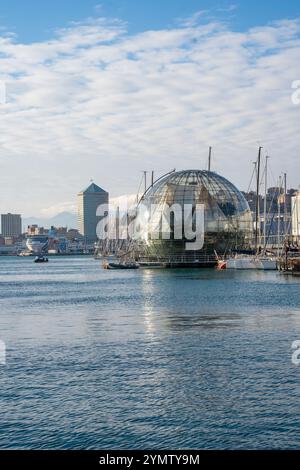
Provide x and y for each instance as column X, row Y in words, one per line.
column 106, row 90
column 35, row 20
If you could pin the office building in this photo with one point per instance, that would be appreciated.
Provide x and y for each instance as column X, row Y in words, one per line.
column 88, row 202
column 11, row 225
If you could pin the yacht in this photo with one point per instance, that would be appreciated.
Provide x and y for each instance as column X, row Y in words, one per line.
column 263, row 263
column 37, row 243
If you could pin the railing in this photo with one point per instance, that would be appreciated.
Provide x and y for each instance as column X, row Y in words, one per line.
column 180, row 259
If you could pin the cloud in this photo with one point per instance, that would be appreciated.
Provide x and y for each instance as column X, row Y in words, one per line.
column 96, row 102
column 229, row 8
column 194, row 19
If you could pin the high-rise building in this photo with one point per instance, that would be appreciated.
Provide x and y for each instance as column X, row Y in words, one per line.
column 88, row 202
column 11, row 225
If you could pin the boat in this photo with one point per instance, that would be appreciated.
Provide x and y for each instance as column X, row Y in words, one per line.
column 41, row 259
column 120, row 265
column 124, row 266
column 37, row 243
column 260, row 259
column 25, row 253
column 289, row 262
column 290, row 266
column 262, row 263
column 222, row 264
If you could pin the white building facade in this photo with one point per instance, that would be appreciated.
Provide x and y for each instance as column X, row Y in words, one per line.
column 296, row 215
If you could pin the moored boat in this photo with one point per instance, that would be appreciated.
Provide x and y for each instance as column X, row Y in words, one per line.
column 120, row 265
column 41, row 259
column 222, row 264
column 262, row 263
column 289, row 263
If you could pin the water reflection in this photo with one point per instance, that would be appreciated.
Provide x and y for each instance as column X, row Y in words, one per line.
column 148, row 290
column 202, row 321
column 151, row 359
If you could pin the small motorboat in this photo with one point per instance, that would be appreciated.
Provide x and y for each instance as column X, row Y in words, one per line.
column 121, row 265
column 41, row 259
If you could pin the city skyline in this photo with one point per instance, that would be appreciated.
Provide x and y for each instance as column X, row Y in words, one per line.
column 115, row 93
column 71, row 219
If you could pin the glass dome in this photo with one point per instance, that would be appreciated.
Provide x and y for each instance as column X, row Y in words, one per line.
column 227, row 218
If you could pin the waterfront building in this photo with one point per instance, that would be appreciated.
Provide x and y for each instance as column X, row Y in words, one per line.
column 88, row 202
column 278, row 214
column 296, row 215
column 74, row 235
column 11, row 225
column 9, row 241
column 35, row 230
column 56, row 240
column 251, row 198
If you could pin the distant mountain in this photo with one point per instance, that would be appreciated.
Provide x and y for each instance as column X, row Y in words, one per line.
column 64, row 219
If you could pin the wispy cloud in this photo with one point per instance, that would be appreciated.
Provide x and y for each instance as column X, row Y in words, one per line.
column 98, row 102
column 229, row 8
column 194, row 19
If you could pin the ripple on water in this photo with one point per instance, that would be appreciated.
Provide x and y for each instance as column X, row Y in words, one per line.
column 147, row 359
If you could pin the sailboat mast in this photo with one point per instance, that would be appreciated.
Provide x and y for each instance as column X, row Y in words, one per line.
column 265, row 204
column 118, row 226
column 145, row 180
column 285, row 206
column 209, row 158
column 279, row 215
column 257, row 215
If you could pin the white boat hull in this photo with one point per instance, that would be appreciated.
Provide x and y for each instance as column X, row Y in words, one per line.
column 269, row 264
column 263, row 264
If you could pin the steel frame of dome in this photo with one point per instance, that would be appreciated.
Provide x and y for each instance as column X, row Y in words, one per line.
column 228, row 219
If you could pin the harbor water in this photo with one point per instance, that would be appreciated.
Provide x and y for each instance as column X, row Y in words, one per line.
column 152, row 359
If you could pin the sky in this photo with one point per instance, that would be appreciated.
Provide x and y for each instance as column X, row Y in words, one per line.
column 106, row 90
